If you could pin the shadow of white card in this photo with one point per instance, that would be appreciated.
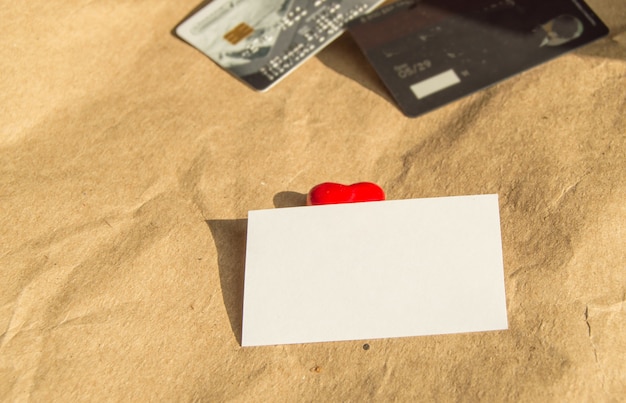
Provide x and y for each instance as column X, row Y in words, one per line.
column 373, row 270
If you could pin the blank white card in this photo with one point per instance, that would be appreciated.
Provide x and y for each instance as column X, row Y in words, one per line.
column 373, row 270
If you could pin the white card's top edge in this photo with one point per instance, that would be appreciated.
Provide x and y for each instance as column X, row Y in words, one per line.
column 343, row 205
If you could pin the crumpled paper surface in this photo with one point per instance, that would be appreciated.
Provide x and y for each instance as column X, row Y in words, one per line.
column 128, row 162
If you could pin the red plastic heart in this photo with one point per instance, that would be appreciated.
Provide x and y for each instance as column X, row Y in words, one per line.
column 336, row 193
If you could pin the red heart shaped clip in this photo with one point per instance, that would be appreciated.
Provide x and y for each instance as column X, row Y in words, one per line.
column 336, row 193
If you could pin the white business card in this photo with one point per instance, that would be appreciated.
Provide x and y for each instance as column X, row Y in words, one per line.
column 373, row 270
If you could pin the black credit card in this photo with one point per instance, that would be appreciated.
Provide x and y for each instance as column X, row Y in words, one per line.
column 432, row 52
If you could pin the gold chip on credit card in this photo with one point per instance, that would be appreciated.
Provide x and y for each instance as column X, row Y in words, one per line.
column 238, row 33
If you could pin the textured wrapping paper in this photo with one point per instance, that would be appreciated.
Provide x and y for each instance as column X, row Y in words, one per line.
column 129, row 161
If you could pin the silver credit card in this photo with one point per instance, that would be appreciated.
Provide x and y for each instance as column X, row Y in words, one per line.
column 261, row 41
